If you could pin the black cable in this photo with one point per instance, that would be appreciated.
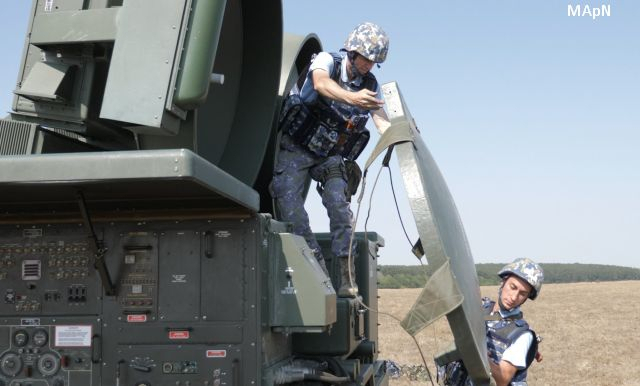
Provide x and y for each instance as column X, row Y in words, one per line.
column 327, row 378
column 395, row 200
column 423, row 360
column 373, row 189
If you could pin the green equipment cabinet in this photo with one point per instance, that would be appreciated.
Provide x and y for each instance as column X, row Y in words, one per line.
column 139, row 245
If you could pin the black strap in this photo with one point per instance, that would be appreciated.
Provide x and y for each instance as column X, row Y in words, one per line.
column 303, row 76
column 533, row 349
column 334, row 171
column 497, row 316
column 337, row 67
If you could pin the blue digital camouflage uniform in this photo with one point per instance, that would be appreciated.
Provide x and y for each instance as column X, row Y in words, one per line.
column 314, row 129
column 503, row 329
column 296, row 163
column 292, row 169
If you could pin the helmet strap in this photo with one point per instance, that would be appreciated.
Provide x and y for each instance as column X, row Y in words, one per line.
column 502, row 307
column 352, row 55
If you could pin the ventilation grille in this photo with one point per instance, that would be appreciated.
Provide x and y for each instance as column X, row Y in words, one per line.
column 65, row 133
column 16, row 137
column 31, row 270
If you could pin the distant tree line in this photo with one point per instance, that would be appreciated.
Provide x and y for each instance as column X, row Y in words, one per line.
column 411, row 276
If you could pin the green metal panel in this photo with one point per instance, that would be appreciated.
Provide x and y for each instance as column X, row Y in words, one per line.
column 142, row 64
column 160, row 178
column 367, row 278
column 302, row 298
column 71, row 71
column 339, row 340
column 93, row 25
column 223, row 264
column 179, row 275
column 48, row 81
column 53, row 6
column 200, row 49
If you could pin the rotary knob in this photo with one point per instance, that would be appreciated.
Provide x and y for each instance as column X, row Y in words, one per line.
column 48, row 364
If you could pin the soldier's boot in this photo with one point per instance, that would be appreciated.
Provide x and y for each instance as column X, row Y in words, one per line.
column 346, row 290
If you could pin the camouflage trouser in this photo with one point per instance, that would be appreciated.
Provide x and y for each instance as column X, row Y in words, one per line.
column 453, row 374
column 293, row 166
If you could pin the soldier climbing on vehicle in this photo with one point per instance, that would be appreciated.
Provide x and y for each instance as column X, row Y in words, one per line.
column 323, row 132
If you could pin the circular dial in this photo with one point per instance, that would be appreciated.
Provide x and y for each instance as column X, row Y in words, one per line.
column 10, row 364
column 40, row 338
column 20, row 338
column 48, row 364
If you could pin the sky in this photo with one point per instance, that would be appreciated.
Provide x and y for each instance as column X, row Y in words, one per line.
column 532, row 115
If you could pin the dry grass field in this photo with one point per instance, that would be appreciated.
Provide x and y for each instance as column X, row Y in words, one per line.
column 590, row 332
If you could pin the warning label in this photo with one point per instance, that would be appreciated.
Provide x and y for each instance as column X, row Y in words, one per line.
column 137, row 318
column 73, row 336
column 216, row 353
column 178, row 334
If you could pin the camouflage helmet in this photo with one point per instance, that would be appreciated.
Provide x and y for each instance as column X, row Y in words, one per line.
column 370, row 41
column 527, row 270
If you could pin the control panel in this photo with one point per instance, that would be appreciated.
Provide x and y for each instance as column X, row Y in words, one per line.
column 46, row 271
column 45, row 354
column 178, row 314
column 135, row 253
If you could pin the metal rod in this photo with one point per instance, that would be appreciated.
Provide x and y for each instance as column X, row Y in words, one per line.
column 98, row 248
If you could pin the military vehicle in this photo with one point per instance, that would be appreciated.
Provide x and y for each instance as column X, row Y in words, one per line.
column 138, row 241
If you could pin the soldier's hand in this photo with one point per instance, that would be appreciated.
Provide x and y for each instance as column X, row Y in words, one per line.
column 538, row 356
column 366, row 99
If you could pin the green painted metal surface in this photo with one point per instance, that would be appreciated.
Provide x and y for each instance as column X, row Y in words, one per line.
column 441, row 233
column 165, row 178
column 203, row 156
column 302, row 296
column 340, row 340
column 200, row 49
column 92, row 25
column 142, row 64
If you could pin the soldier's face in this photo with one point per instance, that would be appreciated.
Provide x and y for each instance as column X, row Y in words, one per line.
column 362, row 64
column 515, row 291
